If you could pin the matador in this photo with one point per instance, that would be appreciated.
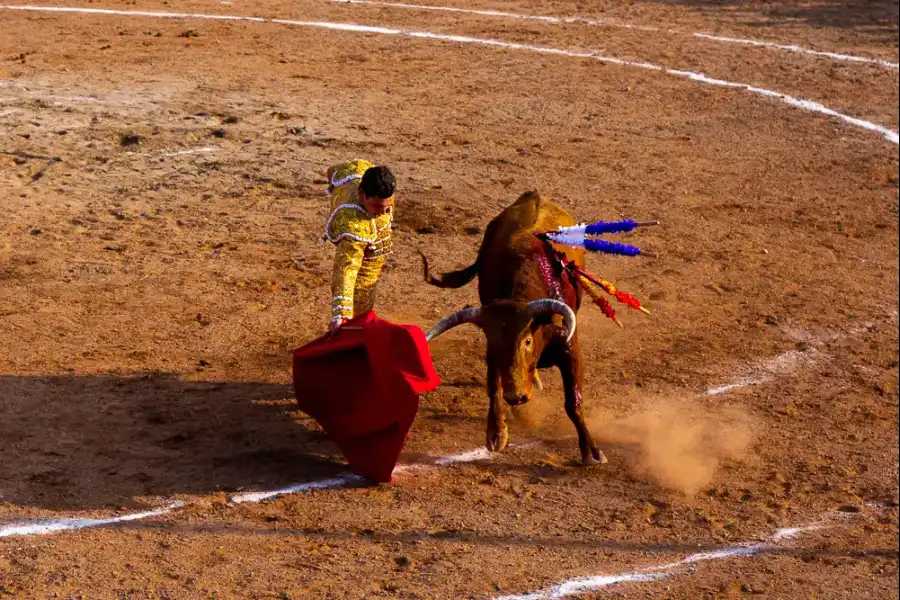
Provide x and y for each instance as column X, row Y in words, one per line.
column 362, row 214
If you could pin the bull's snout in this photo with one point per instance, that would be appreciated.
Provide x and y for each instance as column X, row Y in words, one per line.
column 516, row 399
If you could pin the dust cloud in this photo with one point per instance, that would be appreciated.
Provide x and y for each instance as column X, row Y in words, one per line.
column 680, row 444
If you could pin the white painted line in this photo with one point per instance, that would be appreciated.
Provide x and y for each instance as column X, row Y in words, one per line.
column 790, row 533
column 44, row 527
column 664, row 571
column 474, row 455
column 335, row 482
column 500, row 13
column 766, row 371
column 135, row 13
column 586, row 584
column 351, row 479
column 194, row 151
column 792, row 360
column 799, row 50
column 188, row 152
column 715, row 391
column 808, row 105
column 57, row 525
column 605, row 23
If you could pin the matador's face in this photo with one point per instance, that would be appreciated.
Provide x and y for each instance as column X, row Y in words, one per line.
column 376, row 206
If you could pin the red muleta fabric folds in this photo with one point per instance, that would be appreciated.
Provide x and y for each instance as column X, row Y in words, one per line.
column 362, row 385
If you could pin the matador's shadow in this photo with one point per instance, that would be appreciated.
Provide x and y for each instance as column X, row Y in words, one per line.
column 83, row 442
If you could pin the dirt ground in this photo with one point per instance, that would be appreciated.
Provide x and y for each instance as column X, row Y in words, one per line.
column 162, row 201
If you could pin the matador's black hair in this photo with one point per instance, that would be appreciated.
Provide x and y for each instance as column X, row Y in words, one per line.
column 378, row 182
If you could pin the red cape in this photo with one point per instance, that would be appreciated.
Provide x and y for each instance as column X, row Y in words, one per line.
column 362, row 385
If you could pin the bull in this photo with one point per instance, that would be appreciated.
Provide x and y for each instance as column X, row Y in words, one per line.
column 528, row 312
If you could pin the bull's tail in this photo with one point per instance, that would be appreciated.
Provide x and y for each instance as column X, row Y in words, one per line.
column 453, row 279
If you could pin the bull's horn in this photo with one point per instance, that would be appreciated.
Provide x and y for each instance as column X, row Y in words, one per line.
column 548, row 306
column 460, row 317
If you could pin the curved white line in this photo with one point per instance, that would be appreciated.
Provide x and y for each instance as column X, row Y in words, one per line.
column 809, row 105
column 799, row 50
column 589, row 584
column 203, row 150
column 322, row 484
column 765, row 371
column 45, row 527
column 603, row 23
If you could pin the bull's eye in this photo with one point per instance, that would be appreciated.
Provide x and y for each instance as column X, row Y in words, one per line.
column 528, row 343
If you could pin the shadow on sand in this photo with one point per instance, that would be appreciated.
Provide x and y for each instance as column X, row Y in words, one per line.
column 877, row 18
column 86, row 442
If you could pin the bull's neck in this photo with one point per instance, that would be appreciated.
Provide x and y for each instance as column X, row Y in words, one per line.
column 550, row 269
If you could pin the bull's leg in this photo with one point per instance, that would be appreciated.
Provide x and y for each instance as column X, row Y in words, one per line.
column 570, row 368
column 497, row 432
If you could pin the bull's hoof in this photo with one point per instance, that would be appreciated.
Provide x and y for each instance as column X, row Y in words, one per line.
column 497, row 440
column 596, row 457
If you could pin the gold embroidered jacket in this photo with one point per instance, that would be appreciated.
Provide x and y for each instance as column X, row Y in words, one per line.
column 363, row 243
column 343, row 181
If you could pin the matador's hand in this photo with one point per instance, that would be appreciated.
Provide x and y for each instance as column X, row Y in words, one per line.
column 336, row 324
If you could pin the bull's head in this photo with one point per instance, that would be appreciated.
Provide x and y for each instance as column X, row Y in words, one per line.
column 516, row 336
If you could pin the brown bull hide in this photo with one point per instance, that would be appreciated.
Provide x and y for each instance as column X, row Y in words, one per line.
column 528, row 322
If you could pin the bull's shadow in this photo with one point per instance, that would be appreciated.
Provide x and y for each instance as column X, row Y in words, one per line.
column 84, row 442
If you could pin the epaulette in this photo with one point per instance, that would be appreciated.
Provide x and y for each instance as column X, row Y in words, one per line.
column 350, row 221
column 347, row 172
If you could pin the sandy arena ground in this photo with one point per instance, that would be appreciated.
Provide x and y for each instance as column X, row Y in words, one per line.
column 162, row 199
